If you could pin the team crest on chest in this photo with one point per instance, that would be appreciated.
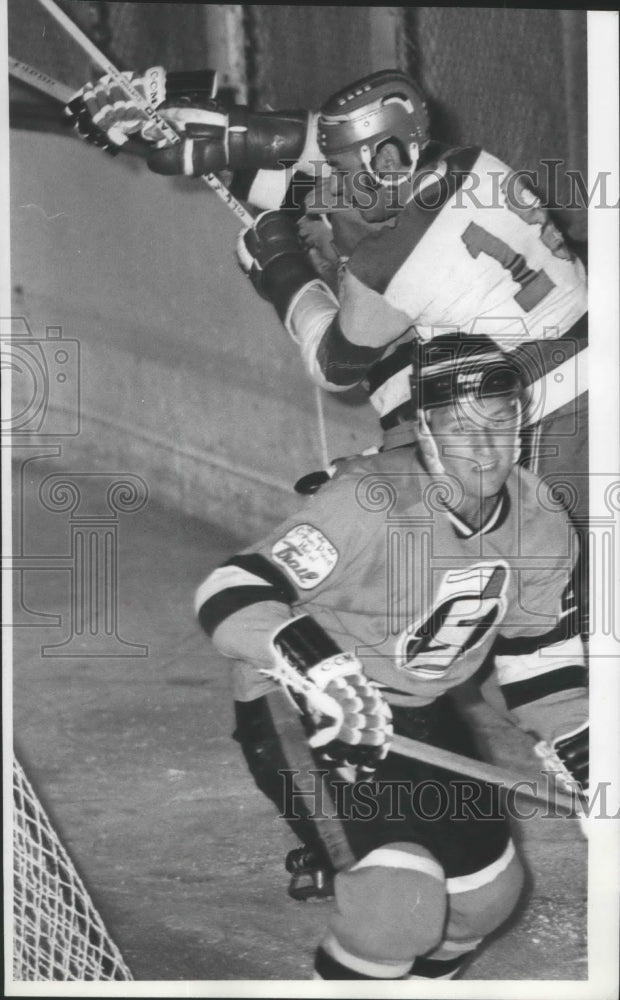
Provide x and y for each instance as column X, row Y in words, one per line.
column 306, row 555
column 468, row 603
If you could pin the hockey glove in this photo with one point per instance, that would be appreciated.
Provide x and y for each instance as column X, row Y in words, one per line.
column 347, row 720
column 272, row 255
column 104, row 114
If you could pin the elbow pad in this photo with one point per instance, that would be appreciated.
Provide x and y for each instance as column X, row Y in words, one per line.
column 267, row 140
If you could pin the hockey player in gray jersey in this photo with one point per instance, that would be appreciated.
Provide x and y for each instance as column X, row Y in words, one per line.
column 356, row 617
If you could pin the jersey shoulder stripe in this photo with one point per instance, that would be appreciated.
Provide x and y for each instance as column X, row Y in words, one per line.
column 379, row 256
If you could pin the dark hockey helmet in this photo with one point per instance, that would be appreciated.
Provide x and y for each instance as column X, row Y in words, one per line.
column 460, row 366
column 456, row 366
column 361, row 117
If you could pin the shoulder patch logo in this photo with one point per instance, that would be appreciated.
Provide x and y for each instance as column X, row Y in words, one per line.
column 306, row 555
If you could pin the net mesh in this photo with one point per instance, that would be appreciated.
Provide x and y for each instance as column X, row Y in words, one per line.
column 57, row 932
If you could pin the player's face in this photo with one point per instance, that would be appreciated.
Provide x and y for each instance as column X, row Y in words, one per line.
column 476, row 439
column 358, row 189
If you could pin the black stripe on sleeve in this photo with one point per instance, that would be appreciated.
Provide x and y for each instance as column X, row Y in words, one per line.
column 342, row 362
column 260, row 566
column 563, row 679
column 232, row 599
column 225, row 603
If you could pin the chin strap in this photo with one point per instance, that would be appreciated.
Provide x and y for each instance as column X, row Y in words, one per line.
column 405, row 176
column 428, row 446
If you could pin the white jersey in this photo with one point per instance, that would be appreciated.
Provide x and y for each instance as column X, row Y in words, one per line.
column 473, row 250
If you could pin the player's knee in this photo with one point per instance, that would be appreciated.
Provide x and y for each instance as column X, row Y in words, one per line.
column 480, row 902
column 391, row 905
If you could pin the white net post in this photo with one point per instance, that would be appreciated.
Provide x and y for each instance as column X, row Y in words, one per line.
column 57, row 932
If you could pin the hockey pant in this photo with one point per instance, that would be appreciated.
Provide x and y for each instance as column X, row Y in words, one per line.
column 425, row 866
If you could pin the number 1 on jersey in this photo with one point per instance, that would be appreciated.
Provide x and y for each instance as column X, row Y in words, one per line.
column 534, row 284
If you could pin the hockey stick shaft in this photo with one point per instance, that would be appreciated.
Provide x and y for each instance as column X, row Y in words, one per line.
column 481, row 771
column 97, row 57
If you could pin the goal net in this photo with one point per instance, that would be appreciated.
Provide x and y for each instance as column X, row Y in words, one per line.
column 57, row 932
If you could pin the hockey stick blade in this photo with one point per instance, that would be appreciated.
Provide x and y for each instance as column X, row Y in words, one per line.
column 40, row 81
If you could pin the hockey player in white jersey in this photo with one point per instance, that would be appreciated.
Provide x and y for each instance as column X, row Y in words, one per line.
column 424, row 239
column 356, row 617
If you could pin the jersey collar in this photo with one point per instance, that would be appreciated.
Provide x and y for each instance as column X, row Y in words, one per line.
column 496, row 518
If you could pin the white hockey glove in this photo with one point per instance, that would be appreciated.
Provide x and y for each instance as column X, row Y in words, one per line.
column 568, row 759
column 104, row 114
column 347, row 720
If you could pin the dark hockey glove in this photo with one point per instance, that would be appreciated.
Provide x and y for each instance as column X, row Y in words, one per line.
column 272, row 255
column 104, row 114
column 568, row 759
column 347, row 720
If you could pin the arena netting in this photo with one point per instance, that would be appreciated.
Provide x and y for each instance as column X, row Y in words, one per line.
column 511, row 80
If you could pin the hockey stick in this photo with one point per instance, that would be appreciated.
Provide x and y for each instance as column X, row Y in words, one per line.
column 166, row 129
column 40, row 81
column 46, row 84
column 481, row 771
